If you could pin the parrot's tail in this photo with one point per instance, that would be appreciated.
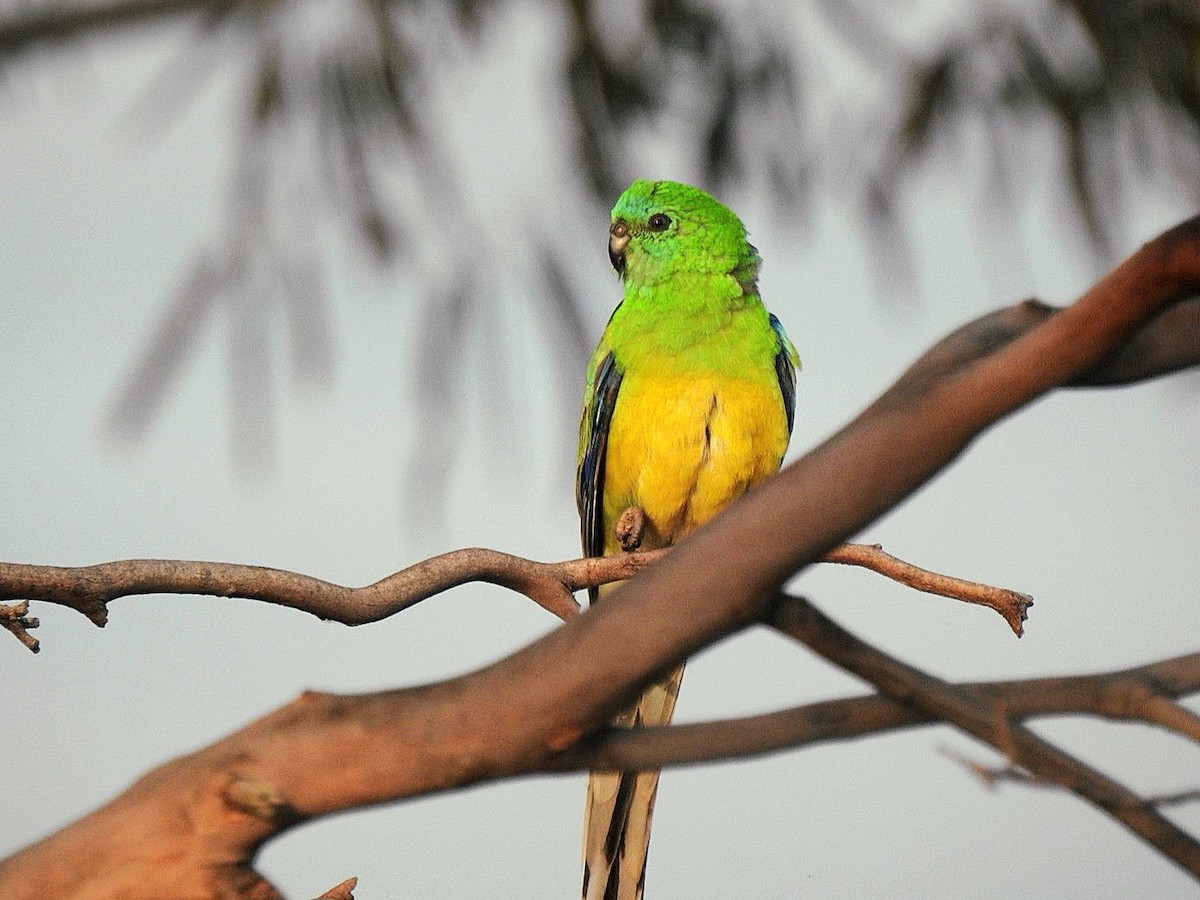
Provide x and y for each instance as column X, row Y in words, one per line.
column 616, row 824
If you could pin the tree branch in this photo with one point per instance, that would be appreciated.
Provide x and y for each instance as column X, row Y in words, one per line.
column 516, row 715
column 1012, row 605
column 1167, row 342
column 89, row 589
column 1102, row 694
column 989, row 722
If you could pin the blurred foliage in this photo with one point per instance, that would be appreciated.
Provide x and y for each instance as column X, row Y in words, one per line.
column 1109, row 76
column 740, row 89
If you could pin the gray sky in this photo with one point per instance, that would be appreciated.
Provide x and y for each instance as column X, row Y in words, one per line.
column 1088, row 501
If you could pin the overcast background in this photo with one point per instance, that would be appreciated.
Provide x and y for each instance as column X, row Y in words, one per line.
column 1087, row 500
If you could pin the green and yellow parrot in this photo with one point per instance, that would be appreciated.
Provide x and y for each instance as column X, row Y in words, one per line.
column 689, row 403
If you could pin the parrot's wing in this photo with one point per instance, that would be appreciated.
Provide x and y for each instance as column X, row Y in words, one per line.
column 786, row 362
column 589, row 488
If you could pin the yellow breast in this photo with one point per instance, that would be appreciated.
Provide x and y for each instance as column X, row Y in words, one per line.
column 684, row 446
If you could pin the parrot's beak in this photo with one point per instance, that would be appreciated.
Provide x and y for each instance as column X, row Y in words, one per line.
column 618, row 239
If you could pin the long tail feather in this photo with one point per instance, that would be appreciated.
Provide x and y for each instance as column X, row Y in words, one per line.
column 616, row 824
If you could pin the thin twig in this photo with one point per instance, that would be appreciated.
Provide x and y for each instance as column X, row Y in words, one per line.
column 1012, row 605
column 1176, row 799
column 992, row 776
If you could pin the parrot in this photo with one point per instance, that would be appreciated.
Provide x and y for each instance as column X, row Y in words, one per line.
column 689, row 402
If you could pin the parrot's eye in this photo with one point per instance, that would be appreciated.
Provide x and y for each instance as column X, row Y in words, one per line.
column 659, row 222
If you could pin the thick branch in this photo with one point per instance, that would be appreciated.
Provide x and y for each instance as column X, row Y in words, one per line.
column 516, row 715
column 1167, row 342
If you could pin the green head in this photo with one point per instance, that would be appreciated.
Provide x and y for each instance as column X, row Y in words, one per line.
column 662, row 228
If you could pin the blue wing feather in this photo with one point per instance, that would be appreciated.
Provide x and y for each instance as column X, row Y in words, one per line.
column 590, row 478
column 785, row 371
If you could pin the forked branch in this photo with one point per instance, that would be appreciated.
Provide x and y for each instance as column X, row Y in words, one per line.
column 983, row 713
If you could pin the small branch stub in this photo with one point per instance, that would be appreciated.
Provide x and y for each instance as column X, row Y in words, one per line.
column 343, row 891
column 259, row 799
column 13, row 617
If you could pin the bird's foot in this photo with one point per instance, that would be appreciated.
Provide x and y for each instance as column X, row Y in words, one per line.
column 631, row 525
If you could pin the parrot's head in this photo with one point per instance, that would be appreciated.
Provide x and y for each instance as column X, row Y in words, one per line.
column 662, row 228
